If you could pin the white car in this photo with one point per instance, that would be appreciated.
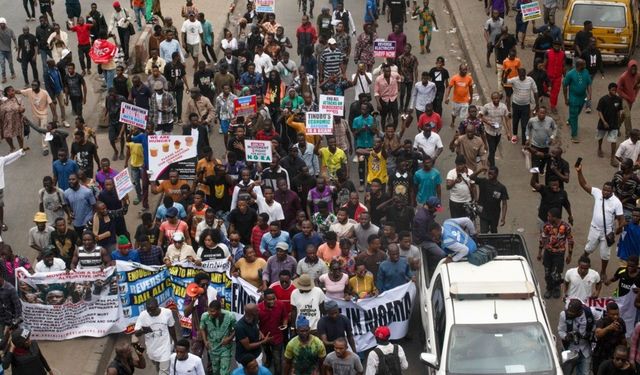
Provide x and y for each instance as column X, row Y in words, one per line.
column 486, row 320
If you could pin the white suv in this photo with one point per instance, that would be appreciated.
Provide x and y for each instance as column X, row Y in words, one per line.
column 486, row 320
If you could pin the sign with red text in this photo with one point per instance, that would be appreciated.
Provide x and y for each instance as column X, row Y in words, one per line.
column 133, row 115
column 258, row 151
column 333, row 104
column 245, row 105
column 168, row 152
column 266, row 6
column 384, row 48
column 531, row 11
column 123, row 183
column 319, row 123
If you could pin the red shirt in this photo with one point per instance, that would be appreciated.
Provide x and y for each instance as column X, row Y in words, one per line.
column 83, row 33
column 256, row 237
column 261, row 135
column 271, row 320
column 283, row 295
column 425, row 119
column 555, row 63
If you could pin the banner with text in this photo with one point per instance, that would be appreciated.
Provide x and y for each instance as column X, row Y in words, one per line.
column 384, row 48
column 625, row 303
column 245, row 105
column 137, row 283
column 168, row 152
column 258, row 151
column 333, row 104
column 60, row 305
column 530, row 11
column 133, row 115
column 391, row 308
column 266, row 6
column 318, row 123
column 123, row 183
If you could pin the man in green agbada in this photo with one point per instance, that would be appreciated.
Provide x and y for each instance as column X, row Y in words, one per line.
column 576, row 88
column 217, row 331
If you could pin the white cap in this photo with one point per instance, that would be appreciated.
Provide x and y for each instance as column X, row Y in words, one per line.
column 3, row 20
column 331, row 41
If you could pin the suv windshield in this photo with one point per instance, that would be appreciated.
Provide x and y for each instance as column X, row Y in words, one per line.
column 499, row 349
column 600, row 14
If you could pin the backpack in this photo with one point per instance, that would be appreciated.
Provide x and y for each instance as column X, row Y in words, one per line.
column 590, row 324
column 388, row 364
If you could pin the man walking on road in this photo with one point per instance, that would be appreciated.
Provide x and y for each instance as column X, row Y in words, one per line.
column 556, row 239
column 609, row 109
column 385, row 358
column 462, row 84
column 492, row 28
column 628, row 87
column 157, row 325
column 576, row 88
column 554, row 65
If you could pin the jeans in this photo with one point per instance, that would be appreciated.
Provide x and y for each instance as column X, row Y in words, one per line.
column 25, row 69
column 553, row 269
column 177, row 95
column 29, row 4
column 304, row 6
column 6, row 56
column 139, row 12
column 273, row 357
column 108, row 77
column 362, row 169
column 389, row 108
column 520, row 115
column 437, row 102
column 574, row 112
column 44, row 55
column 83, row 56
column 135, row 179
column 405, row 94
column 123, row 35
column 493, row 142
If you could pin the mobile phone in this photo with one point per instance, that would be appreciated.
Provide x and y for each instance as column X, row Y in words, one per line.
column 578, row 162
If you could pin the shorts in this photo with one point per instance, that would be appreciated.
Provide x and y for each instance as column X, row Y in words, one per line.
column 508, row 91
column 45, row 8
column 460, row 110
column 193, row 49
column 596, row 240
column 114, row 131
column 224, row 126
column 612, row 135
column 1, row 197
column 73, row 10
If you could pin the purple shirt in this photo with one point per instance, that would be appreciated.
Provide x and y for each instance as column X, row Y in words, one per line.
column 101, row 177
column 316, row 196
column 498, row 5
column 401, row 41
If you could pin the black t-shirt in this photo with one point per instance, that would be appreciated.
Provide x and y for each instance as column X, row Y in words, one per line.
column 84, row 155
column 542, row 42
column 219, row 196
column 214, row 253
column 606, row 345
column 65, row 244
column 203, row 79
column 401, row 185
column 503, row 45
column 625, row 281
column 74, row 84
column 152, row 233
column 562, row 166
column 397, row 9
column 610, row 106
column 240, row 154
column 174, row 73
column 582, row 39
column 27, row 44
column 492, row 193
column 550, row 199
column 607, row 368
column 440, row 77
column 402, row 217
column 342, row 193
column 334, row 328
column 244, row 330
column 374, row 202
column 243, row 223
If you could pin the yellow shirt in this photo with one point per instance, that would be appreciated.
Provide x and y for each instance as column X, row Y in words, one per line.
column 208, row 171
column 136, row 158
column 249, row 271
column 364, row 285
column 377, row 167
column 332, row 161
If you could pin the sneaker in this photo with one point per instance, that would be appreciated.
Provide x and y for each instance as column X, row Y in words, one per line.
column 575, row 140
column 219, row 130
column 556, row 293
column 588, row 110
column 547, row 294
column 45, row 152
column 66, row 124
column 514, row 139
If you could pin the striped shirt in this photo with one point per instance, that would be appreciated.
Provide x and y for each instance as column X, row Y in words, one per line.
column 89, row 259
column 331, row 61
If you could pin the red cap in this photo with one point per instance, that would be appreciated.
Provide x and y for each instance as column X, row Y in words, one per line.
column 193, row 290
column 116, row 4
column 382, row 333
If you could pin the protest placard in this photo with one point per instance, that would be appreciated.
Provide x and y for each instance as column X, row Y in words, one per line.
column 259, row 151
column 133, row 115
column 531, row 11
column 384, row 48
column 265, row 6
column 333, row 104
column 168, row 152
column 319, row 123
column 123, row 183
column 245, row 105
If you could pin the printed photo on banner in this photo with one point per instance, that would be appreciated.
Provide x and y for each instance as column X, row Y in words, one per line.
column 245, row 106
column 319, row 123
column 133, row 115
column 333, row 104
column 123, row 183
column 259, row 151
column 265, row 6
column 531, row 11
column 384, row 48
column 168, row 152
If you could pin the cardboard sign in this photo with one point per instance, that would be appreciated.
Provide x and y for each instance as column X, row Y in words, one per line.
column 245, row 105
column 531, row 11
column 319, row 123
column 333, row 104
column 266, row 6
column 133, row 115
column 258, row 151
column 168, row 152
column 123, row 183
column 384, row 48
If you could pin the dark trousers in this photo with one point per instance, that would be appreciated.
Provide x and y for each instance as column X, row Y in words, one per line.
column 493, row 142
column 362, row 165
column 553, row 269
column 208, row 53
column 76, row 105
column 29, row 4
column 177, row 95
column 145, row 188
column 537, row 161
column 25, row 69
column 83, row 56
column 437, row 102
column 520, row 117
column 123, row 35
column 405, row 95
column 273, row 357
column 489, row 224
column 389, row 108
column 457, row 209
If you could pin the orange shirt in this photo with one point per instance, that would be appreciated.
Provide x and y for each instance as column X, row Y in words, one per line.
column 208, row 171
column 461, row 86
column 171, row 190
column 514, row 65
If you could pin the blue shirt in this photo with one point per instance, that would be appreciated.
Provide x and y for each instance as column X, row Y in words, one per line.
column 142, row 138
column 268, row 242
column 364, row 139
column 62, row 171
column 261, row 371
column 81, row 202
column 56, row 81
column 453, row 233
column 370, row 7
column 629, row 243
column 132, row 256
column 161, row 212
column 300, row 242
column 426, row 183
column 393, row 274
column 207, row 30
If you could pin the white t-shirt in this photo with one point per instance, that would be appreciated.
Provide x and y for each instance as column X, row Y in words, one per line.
column 612, row 208
column 190, row 366
column 158, row 342
column 308, row 304
column 361, row 86
column 428, row 145
column 263, row 61
column 58, row 265
column 628, row 150
column 193, row 31
column 578, row 287
column 522, row 90
column 460, row 192
column 275, row 210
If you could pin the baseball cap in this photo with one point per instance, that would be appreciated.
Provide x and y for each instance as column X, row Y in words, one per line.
column 331, row 41
column 382, row 333
column 178, row 236
column 171, row 212
column 282, row 245
column 434, row 202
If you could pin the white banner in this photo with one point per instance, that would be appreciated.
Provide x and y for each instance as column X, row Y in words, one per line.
column 61, row 305
column 628, row 311
column 391, row 308
column 168, row 152
column 333, row 104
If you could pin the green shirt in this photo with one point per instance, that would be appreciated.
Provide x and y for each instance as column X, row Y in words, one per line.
column 287, row 102
column 578, row 83
column 305, row 356
column 217, row 330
